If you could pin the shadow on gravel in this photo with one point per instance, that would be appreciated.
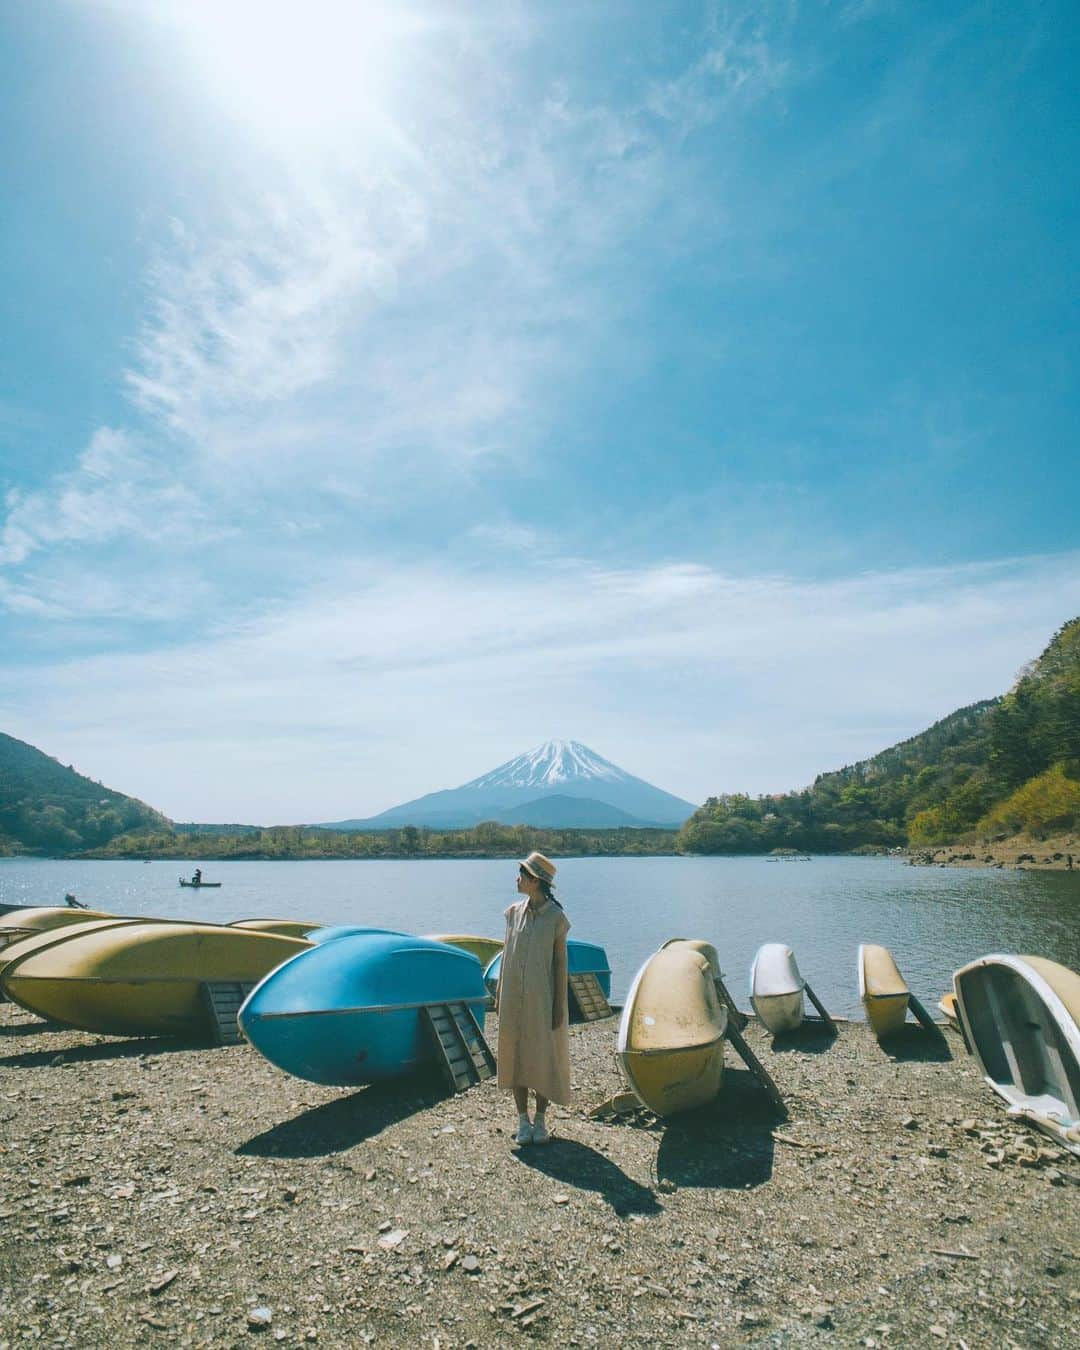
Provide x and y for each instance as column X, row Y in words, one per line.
column 727, row 1145
column 88, row 1054
column 912, row 1043
column 336, row 1126
column 30, row 1029
column 578, row 1165
column 811, row 1038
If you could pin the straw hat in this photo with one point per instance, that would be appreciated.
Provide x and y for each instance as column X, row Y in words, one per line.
column 543, row 869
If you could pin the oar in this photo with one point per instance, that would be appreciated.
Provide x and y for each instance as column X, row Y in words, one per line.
column 922, row 1015
column 738, row 1040
column 820, row 1007
column 740, row 1019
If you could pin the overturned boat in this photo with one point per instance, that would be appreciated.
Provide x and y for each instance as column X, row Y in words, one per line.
column 1021, row 1018
column 670, row 1044
column 582, row 958
column 295, row 928
column 141, row 978
column 882, row 989
column 485, row 949
column 349, row 1011
column 20, row 923
column 776, row 988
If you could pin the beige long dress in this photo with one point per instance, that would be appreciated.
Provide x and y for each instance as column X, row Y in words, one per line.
column 530, row 1054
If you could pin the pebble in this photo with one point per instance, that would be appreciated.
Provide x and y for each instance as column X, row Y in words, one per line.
column 259, row 1317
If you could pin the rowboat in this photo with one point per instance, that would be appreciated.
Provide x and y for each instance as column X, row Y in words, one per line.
column 884, row 994
column 947, row 1008
column 344, row 930
column 141, row 978
column 296, row 928
column 201, row 885
column 670, row 1044
column 19, row 923
column 582, row 958
column 485, row 949
column 1021, row 1018
column 36, row 942
column 349, row 1011
column 776, row 988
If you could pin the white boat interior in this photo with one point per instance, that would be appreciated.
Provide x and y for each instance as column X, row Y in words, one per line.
column 1021, row 1015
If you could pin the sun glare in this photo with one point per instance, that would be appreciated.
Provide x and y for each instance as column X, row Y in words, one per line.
column 313, row 70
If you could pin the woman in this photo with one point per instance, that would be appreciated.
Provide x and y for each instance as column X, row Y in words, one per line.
column 534, row 1042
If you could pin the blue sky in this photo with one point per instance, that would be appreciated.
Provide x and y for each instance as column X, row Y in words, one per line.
column 387, row 388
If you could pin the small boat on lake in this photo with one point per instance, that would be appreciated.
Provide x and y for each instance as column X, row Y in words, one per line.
column 1021, row 1018
column 670, row 1044
column 348, row 1012
column 19, row 923
column 582, row 958
column 201, row 885
column 776, row 988
column 882, row 989
column 141, row 978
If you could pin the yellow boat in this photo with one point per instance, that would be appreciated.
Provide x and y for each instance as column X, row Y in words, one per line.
column 36, row 942
column 947, row 1008
column 294, row 928
column 19, row 923
column 141, row 978
column 485, row 949
column 670, row 1044
column 882, row 989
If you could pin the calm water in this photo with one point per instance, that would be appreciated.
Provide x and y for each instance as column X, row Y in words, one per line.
column 933, row 919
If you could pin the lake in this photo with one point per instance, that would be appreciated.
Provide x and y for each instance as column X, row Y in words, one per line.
column 933, row 919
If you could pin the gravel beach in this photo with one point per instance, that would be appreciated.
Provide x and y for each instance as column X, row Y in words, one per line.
column 156, row 1193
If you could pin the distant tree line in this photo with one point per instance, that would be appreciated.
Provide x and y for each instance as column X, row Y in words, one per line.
column 486, row 840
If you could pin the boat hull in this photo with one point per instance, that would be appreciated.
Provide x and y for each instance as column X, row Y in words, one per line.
column 141, row 978
column 947, row 1008
column 348, row 1012
column 36, row 942
column 882, row 989
column 485, row 949
column 776, row 988
column 294, row 928
column 670, row 1044
column 20, row 923
column 201, row 885
column 582, row 958
column 1021, row 1019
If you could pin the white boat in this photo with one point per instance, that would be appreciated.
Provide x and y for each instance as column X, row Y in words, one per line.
column 776, row 988
column 1021, row 1017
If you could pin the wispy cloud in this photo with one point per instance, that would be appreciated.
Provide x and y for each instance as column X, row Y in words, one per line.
column 117, row 488
column 394, row 682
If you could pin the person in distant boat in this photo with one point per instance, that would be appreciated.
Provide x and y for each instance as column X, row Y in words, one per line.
column 534, row 1038
column 196, row 877
column 71, row 902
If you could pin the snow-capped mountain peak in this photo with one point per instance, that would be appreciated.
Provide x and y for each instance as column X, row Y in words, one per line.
column 551, row 765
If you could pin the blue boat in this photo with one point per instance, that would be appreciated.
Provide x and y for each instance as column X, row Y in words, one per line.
column 582, row 958
column 349, row 1011
column 340, row 930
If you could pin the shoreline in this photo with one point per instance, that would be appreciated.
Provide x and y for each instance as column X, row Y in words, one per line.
column 163, row 1192
column 1060, row 853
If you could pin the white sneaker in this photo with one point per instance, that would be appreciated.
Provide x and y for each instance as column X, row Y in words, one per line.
column 524, row 1134
column 540, row 1132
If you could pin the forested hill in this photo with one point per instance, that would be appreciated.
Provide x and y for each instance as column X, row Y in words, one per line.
column 1007, row 764
column 47, row 808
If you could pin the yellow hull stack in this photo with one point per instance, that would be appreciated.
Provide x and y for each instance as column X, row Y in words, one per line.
column 294, row 928
column 671, row 1036
column 20, row 923
column 141, row 978
column 37, row 942
column 485, row 949
column 882, row 988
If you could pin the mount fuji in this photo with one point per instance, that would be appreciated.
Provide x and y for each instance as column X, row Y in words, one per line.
column 559, row 785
